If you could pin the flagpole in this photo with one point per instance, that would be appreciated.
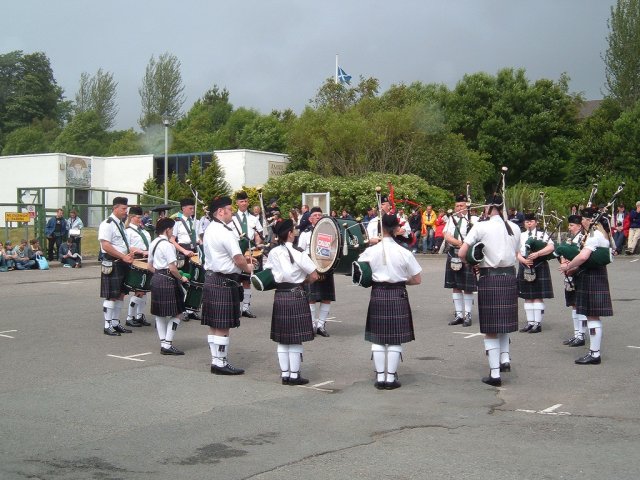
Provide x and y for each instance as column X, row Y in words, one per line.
column 336, row 70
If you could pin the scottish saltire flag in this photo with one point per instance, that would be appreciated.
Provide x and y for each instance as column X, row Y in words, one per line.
column 343, row 77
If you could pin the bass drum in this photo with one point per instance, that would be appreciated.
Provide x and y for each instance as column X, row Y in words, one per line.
column 193, row 298
column 336, row 243
column 139, row 277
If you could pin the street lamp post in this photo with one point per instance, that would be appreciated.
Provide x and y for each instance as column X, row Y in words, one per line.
column 166, row 160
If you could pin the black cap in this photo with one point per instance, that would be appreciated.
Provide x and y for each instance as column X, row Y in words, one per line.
column 384, row 199
column 185, row 202
column 315, row 210
column 495, row 200
column 577, row 219
column 135, row 210
column 390, row 221
column 530, row 216
column 280, row 228
column 589, row 212
column 120, row 201
column 241, row 195
column 461, row 198
column 219, row 202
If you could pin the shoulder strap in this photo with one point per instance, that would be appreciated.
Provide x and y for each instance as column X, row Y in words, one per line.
column 156, row 246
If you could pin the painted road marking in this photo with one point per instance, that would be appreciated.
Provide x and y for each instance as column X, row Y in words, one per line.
column 7, row 331
column 546, row 411
column 628, row 346
column 469, row 335
column 634, row 260
column 318, row 385
column 131, row 357
column 332, row 319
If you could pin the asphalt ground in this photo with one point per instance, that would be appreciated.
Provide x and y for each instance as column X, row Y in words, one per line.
column 77, row 404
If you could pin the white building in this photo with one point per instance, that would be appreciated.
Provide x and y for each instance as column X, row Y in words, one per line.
column 56, row 171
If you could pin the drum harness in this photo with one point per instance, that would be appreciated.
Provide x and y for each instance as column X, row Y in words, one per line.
column 288, row 286
column 456, row 263
column 107, row 263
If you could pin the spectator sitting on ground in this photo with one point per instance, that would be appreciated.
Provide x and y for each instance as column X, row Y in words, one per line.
column 9, row 257
column 3, row 259
column 23, row 256
column 34, row 244
column 69, row 256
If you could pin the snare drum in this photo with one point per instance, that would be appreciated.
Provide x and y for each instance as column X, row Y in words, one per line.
column 336, row 243
column 193, row 298
column 196, row 270
column 263, row 280
column 139, row 276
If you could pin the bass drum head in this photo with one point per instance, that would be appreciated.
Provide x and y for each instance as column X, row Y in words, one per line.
column 324, row 244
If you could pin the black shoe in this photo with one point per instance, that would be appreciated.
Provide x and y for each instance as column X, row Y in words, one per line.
column 322, row 332
column 170, row 351
column 527, row 327
column 379, row 385
column 505, row 367
column 537, row 328
column 467, row 320
column 496, row 382
column 133, row 323
column 577, row 342
column 185, row 317
column 228, row 369
column 285, row 380
column 588, row 359
column 111, row 332
column 568, row 341
column 121, row 329
column 392, row 385
column 248, row 314
column 457, row 321
column 192, row 316
column 298, row 381
column 143, row 321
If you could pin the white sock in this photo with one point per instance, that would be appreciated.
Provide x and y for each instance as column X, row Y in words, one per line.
column 142, row 303
column 133, row 307
column 595, row 337
column 492, row 347
column 576, row 323
column 541, row 308
column 161, row 327
column 172, row 326
column 117, row 308
column 324, row 313
column 107, row 310
column 583, row 324
column 295, row 358
column 312, row 307
column 394, row 352
column 458, row 303
column 246, row 301
column 503, row 338
column 219, row 347
column 283, row 359
column 379, row 353
column 468, row 302
column 528, row 311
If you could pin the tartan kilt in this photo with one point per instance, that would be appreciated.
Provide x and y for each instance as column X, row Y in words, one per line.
column 322, row 289
column 498, row 303
column 463, row 279
column 167, row 296
column 541, row 287
column 291, row 322
column 389, row 319
column 593, row 297
column 220, row 303
column 112, row 285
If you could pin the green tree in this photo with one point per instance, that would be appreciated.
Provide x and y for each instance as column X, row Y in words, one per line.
column 35, row 138
column 84, row 135
column 622, row 58
column 265, row 132
column 98, row 93
column 124, row 142
column 162, row 90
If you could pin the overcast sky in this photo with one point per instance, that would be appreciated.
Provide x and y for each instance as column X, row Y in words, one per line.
column 275, row 54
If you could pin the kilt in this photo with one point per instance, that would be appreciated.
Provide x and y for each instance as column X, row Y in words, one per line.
column 112, row 285
column 220, row 302
column 463, row 279
column 167, row 296
column 593, row 298
column 498, row 303
column 322, row 289
column 291, row 322
column 389, row 319
column 541, row 287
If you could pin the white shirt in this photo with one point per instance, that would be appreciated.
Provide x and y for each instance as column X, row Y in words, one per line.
column 499, row 247
column 537, row 234
column 596, row 239
column 283, row 270
column 203, row 223
column 372, row 227
column 220, row 246
column 110, row 232
column 164, row 253
column 400, row 266
column 253, row 225
column 304, row 240
column 134, row 237
column 181, row 233
column 463, row 227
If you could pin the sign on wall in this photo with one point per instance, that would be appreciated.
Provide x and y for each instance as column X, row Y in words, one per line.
column 276, row 168
column 78, row 172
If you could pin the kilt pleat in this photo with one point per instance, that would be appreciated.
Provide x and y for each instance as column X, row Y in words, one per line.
column 167, row 296
column 291, row 317
column 498, row 303
column 463, row 279
column 220, row 303
column 112, row 285
column 389, row 319
column 322, row 289
column 541, row 287
column 593, row 297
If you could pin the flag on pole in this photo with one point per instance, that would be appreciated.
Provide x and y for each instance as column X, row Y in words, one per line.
column 343, row 77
